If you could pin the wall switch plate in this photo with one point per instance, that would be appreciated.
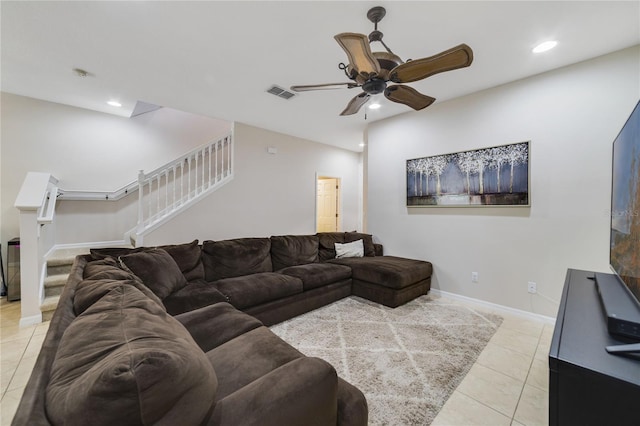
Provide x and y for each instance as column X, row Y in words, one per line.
column 474, row 277
column 532, row 287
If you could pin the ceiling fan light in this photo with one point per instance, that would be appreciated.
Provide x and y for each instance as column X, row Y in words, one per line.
column 374, row 106
column 543, row 47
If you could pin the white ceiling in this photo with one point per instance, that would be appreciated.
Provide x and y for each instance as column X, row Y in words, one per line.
column 219, row 58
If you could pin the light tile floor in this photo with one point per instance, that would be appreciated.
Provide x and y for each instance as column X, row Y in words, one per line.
column 508, row 384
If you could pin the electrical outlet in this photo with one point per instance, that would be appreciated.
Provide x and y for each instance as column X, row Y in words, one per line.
column 532, row 287
column 474, row 277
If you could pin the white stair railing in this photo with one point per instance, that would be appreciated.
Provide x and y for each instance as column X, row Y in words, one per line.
column 180, row 183
column 36, row 202
column 162, row 194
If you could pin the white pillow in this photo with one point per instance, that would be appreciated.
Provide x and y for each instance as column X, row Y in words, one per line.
column 354, row 249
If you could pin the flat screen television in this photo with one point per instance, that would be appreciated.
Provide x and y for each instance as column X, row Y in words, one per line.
column 624, row 255
column 620, row 292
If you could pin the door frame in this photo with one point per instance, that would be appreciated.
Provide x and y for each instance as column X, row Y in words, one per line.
column 338, row 198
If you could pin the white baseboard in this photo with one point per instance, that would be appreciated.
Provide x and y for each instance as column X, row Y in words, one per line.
column 495, row 307
column 32, row 320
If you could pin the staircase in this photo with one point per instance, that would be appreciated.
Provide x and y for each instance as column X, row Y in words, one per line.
column 162, row 194
column 58, row 268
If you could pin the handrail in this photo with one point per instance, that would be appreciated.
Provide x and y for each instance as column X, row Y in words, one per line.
column 88, row 195
column 166, row 190
column 123, row 191
column 163, row 193
column 48, row 208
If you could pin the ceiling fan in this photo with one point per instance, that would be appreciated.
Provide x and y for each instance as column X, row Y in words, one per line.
column 372, row 71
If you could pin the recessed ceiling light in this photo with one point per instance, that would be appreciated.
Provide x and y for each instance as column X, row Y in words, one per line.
column 361, row 144
column 543, row 47
column 114, row 104
column 374, row 106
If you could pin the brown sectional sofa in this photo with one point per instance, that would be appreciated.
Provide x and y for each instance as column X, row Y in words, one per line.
column 183, row 337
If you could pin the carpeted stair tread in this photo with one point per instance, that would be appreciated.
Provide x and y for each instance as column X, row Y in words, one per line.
column 56, row 280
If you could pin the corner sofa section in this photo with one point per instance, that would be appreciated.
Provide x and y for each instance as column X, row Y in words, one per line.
column 196, row 316
column 113, row 355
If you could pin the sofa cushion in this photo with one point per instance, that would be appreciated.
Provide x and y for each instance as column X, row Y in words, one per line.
column 291, row 250
column 235, row 258
column 352, row 249
column 102, row 276
column 144, row 369
column 327, row 241
column 249, row 357
column 89, row 291
column 105, row 268
column 387, row 271
column 214, row 325
column 194, row 295
column 157, row 270
column 314, row 275
column 186, row 255
column 367, row 240
column 244, row 292
column 302, row 392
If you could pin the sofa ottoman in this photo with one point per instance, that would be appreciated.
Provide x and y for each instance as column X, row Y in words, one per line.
column 389, row 280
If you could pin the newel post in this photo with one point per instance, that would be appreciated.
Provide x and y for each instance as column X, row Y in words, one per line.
column 30, row 199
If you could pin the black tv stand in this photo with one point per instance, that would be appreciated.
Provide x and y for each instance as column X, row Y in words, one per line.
column 588, row 385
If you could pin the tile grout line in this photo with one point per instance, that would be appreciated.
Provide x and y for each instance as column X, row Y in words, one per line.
column 524, row 382
column 525, row 379
column 13, row 375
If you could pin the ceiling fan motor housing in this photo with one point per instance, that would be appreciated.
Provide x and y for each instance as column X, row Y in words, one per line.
column 374, row 86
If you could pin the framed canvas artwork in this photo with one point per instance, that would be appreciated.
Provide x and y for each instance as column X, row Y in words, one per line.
column 496, row 176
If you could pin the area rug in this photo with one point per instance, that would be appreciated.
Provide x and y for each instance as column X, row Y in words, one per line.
column 407, row 360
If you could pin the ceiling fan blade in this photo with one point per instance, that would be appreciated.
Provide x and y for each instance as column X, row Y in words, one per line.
column 356, row 46
column 355, row 104
column 408, row 96
column 457, row 57
column 327, row 86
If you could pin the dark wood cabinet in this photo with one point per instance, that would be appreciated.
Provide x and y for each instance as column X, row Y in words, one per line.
column 587, row 385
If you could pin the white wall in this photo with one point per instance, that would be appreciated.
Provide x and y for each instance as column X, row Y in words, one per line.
column 571, row 117
column 270, row 194
column 89, row 150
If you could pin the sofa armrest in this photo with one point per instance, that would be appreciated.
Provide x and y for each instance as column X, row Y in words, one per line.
column 213, row 325
column 352, row 405
column 301, row 392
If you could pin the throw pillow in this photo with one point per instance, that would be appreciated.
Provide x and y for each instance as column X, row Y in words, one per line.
column 353, row 249
column 144, row 368
column 157, row 270
column 367, row 241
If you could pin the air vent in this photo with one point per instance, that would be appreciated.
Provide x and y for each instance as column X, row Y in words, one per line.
column 280, row 92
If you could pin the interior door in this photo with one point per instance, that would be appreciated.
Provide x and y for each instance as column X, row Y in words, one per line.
column 327, row 218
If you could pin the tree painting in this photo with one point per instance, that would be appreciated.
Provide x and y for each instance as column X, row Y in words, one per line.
column 438, row 164
column 466, row 165
column 499, row 156
column 471, row 178
column 412, row 169
column 516, row 154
